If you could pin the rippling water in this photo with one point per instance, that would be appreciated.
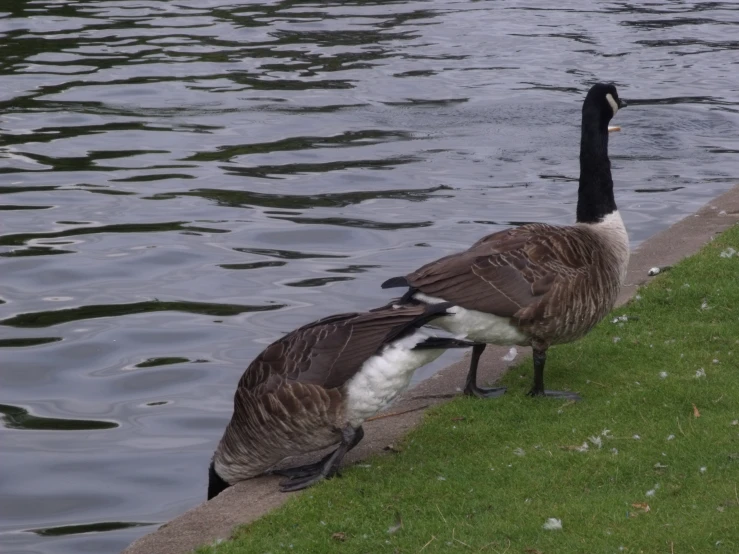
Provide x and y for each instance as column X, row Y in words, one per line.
column 183, row 181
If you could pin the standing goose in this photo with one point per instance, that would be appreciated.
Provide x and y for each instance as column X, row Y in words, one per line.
column 537, row 284
column 314, row 388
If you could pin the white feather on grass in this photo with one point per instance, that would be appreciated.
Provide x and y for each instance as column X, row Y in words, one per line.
column 553, row 524
column 512, row 353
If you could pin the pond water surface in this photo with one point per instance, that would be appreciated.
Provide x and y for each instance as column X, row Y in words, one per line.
column 183, row 181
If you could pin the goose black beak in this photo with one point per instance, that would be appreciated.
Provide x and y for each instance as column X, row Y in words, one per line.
column 622, row 104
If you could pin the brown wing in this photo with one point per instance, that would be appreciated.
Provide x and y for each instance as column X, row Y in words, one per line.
column 510, row 273
column 330, row 351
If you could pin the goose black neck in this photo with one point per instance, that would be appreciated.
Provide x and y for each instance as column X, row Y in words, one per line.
column 216, row 485
column 595, row 195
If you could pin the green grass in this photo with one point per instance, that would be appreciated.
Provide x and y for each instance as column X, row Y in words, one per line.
column 485, row 475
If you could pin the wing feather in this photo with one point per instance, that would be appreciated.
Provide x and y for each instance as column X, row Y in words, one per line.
column 327, row 352
column 511, row 273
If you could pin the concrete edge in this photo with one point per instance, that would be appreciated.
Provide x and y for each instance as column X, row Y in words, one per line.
column 251, row 499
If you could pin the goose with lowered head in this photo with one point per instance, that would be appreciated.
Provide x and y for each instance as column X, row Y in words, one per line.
column 314, row 387
column 537, row 284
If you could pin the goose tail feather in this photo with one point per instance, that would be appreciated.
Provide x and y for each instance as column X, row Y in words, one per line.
column 443, row 343
column 395, row 282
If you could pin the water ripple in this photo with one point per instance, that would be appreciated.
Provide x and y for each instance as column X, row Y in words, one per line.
column 243, row 199
column 15, row 417
column 98, row 527
column 23, row 238
column 359, row 223
column 29, row 341
column 58, row 317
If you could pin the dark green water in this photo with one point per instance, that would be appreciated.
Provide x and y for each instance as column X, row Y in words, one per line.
column 183, row 181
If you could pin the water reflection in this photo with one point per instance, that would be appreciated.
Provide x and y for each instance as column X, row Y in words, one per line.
column 352, row 222
column 349, row 138
column 57, row 317
column 248, row 199
column 23, row 238
column 254, row 265
column 154, row 362
column 15, row 417
column 34, row 251
column 286, row 254
column 87, row 528
column 28, row 341
column 270, row 171
column 318, row 281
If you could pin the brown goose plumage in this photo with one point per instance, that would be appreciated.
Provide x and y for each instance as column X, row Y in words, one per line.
column 538, row 284
column 296, row 396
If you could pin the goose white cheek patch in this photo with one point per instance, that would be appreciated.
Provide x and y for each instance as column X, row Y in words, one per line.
column 612, row 102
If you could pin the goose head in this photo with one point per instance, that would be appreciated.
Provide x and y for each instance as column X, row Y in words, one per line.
column 216, row 484
column 602, row 103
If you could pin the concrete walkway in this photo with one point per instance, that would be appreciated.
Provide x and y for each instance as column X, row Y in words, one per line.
column 251, row 499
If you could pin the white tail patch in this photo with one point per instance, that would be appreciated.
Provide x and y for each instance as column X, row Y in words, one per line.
column 612, row 102
column 475, row 325
column 386, row 375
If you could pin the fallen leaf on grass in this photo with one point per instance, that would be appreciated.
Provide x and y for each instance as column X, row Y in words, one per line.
column 533, row 551
column 696, row 413
column 341, row 537
column 460, row 418
column 391, row 448
column 644, row 507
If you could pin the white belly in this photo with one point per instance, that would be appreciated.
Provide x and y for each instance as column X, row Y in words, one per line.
column 384, row 376
column 476, row 326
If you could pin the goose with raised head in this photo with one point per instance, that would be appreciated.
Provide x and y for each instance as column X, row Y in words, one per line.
column 537, row 284
column 314, row 387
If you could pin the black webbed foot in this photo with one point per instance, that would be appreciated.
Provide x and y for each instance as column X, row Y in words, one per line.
column 301, row 471
column 484, row 392
column 304, row 476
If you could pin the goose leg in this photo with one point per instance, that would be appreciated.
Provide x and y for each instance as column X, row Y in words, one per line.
column 331, row 465
column 470, row 387
column 540, row 358
column 311, row 469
